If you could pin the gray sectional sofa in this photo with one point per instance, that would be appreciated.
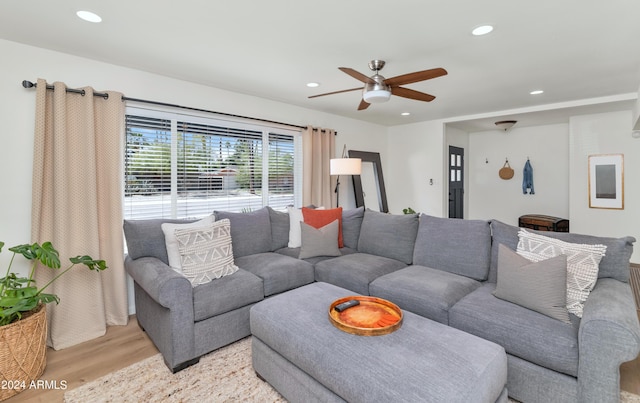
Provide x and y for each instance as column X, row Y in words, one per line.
column 442, row 269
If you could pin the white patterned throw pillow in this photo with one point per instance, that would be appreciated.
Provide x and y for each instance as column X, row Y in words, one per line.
column 582, row 264
column 169, row 229
column 206, row 253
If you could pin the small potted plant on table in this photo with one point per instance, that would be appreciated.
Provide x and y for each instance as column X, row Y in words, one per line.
column 23, row 325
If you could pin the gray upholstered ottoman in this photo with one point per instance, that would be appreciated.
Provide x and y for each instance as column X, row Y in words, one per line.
column 302, row 355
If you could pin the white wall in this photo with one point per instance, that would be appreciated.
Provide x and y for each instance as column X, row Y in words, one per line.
column 17, row 109
column 547, row 147
column 606, row 133
column 415, row 156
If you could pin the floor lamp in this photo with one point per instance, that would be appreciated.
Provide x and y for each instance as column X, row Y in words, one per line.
column 344, row 166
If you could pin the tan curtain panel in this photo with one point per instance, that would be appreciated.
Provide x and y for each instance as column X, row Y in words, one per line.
column 77, row 205
column 318, row 185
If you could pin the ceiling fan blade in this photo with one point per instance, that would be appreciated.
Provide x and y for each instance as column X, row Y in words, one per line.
column 357, row 75
column 335, row 92
column 363, row 105
column 412, row 94
column 415, row 77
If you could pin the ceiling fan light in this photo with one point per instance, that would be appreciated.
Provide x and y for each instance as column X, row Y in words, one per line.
column 376, row 96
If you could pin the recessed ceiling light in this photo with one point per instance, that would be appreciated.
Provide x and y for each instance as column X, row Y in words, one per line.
column 405, row 113
column 536, row 92
column 482, row 30
column 89, row 16
column 313, row 85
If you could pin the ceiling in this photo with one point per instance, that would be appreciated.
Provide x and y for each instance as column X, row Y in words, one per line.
column 571, row 49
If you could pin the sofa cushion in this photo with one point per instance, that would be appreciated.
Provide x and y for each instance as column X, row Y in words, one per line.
column 428, row 292
column 171, row 242
column 582, row 264
column 457, row 246
column 279, row 228
column 251, row 232
column 206, row 253
column 319, row 241
column 538, row 286
column 615, row 264
column 226, row 294
column 388, row 235
column 523, row 333
column 318, row 218
column 295, row 253
column 146, row 239
column 351, row 223
column 278, row 272
column 355, row 271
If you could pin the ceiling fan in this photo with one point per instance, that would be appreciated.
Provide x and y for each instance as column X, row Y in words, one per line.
column 379, row 89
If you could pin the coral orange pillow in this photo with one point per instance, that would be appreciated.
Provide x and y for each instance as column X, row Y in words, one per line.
column 319, row 218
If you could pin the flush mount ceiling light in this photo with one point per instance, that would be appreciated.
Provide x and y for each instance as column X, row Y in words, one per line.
column 89, row 16
column 482, row 30
column 506, row 124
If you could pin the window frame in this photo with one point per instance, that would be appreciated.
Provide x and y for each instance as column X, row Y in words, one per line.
column 267, row 129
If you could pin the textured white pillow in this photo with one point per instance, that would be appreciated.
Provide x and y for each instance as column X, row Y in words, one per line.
column 295, row 218
column 172, row 243
column 582, row 264
column 206, row 253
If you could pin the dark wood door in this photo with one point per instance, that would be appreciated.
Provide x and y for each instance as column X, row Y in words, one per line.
column 456, row 182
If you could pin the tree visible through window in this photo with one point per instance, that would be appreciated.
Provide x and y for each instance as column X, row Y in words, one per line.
column 179, row 166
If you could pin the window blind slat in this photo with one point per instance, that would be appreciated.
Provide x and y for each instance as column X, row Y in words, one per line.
column 217, row 168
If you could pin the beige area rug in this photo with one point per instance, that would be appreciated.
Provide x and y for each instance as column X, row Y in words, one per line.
column 225, row 375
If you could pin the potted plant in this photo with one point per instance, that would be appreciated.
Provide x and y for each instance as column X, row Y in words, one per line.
column 23, row 326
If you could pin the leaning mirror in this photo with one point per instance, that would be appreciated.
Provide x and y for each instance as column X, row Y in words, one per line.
column 369, row 187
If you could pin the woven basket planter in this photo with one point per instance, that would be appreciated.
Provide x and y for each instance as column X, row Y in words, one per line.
column 23, row 352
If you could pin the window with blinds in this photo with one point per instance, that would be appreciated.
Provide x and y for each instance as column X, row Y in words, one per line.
column 181, row 166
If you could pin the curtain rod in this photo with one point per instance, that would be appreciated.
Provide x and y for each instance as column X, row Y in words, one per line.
column 29, row 84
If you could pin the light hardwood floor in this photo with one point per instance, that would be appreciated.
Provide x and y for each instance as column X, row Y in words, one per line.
column 125, row 345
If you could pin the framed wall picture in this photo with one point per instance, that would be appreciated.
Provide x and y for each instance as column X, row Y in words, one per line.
column 606, row 181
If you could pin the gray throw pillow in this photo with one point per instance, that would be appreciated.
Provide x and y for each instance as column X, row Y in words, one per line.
column 583, row 263
column 539, row 286
column 319, row 241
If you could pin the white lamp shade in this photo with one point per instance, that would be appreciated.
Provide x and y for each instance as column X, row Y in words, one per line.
column 345, row 166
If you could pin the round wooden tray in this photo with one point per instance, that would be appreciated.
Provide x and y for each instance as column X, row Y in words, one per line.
column 373, row 317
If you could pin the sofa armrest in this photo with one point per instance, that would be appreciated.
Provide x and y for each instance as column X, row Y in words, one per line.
column 167, row 287
column 609, row 335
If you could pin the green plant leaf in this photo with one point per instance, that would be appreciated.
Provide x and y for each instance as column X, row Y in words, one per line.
column 46, row 298
column 25, row 250
column 47, row 255
column 92, row 264
column 1, row 245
